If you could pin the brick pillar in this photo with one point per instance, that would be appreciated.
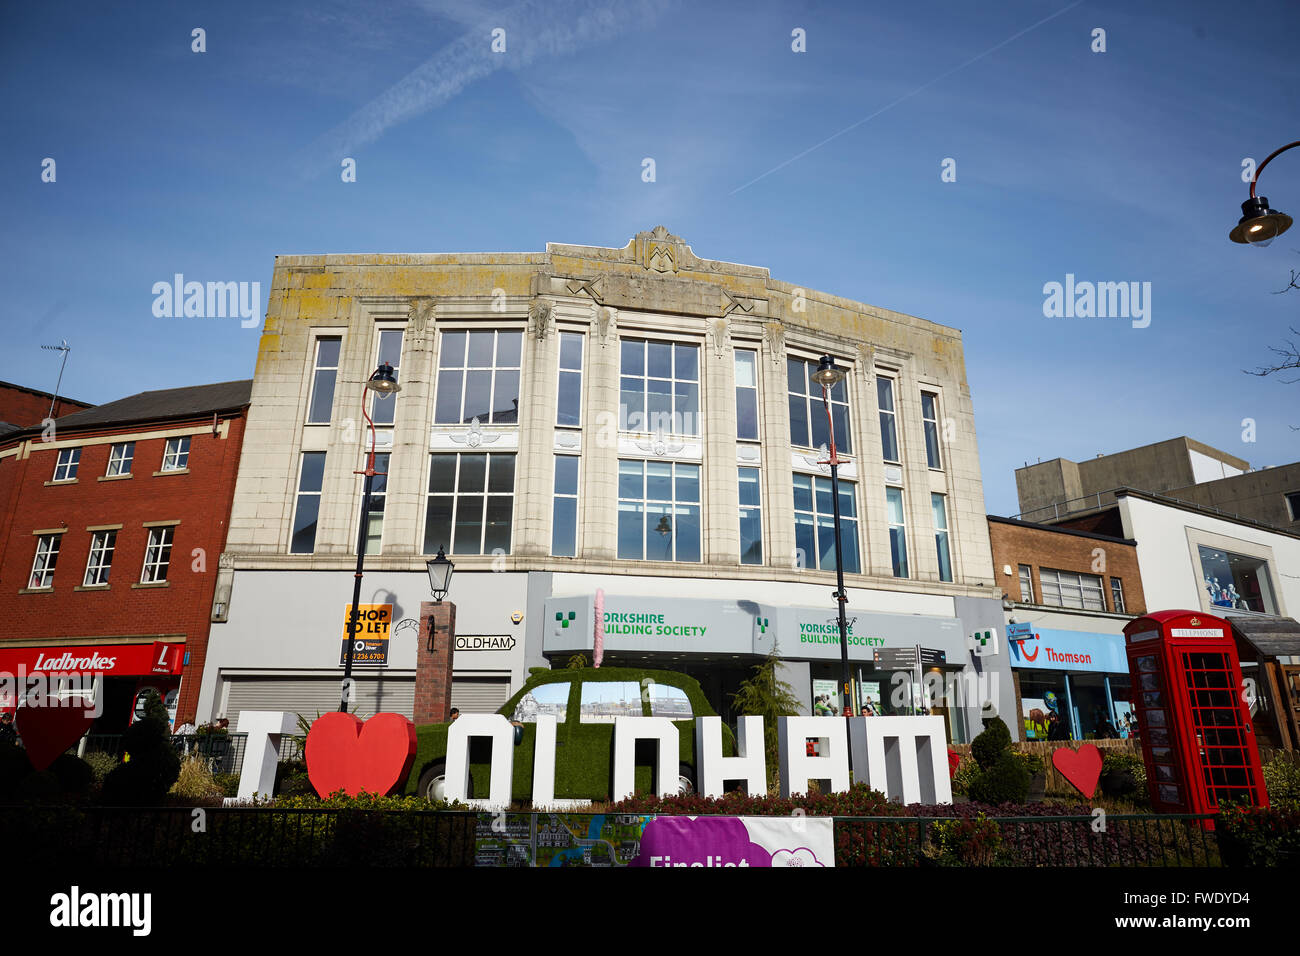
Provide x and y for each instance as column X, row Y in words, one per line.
column 433, row 668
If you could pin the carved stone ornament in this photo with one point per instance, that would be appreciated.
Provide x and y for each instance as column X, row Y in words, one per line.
column 866, row 360
column 820, row 462
column 774, row 334
column 720, row 335
column 475, row 436
column 602, row 324
column 659, row 250
column 660, row 446
column 421, row 315
column 541, row 319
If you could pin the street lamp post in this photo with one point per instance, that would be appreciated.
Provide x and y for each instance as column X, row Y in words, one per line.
column 828, row 376
column 1259, row 225
column 383, row 383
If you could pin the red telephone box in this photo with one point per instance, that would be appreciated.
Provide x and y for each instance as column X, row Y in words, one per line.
column 1197, row 739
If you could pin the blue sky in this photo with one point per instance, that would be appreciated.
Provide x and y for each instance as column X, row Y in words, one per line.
column 1115, row 166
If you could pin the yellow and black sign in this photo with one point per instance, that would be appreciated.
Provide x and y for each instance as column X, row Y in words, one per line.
column 370, row 642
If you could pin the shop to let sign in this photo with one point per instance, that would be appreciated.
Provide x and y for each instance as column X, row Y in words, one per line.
column 370, row 642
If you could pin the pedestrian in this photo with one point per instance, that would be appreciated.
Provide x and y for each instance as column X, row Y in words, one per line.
column 455, row 712
column 8, row 732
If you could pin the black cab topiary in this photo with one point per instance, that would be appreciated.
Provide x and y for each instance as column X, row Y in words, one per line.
column 991, row 743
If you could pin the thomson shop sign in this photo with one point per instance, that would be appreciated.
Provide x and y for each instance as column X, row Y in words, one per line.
column 1046, row 649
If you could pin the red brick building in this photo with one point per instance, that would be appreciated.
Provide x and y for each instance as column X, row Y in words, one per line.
column 23, row 406
column 110, row 536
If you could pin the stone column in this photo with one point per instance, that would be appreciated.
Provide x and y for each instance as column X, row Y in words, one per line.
column 774, row 428
column 534, row 466
column 598, row 500
column 720, row 494
column 433, row 667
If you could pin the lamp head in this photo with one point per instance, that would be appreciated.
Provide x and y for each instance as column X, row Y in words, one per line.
column 1259, row 225
column 665, row 525
column 383, row 381
column 440, row 569
column 828, row 375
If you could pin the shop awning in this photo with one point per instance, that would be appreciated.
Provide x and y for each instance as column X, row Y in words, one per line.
column 1270, row 636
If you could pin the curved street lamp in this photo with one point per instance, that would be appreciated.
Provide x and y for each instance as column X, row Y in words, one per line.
column 1259, row 225
column 828, row 375
column 383, row 383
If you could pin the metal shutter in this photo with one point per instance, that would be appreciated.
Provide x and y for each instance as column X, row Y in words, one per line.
column 312, row 695
column 479, row 695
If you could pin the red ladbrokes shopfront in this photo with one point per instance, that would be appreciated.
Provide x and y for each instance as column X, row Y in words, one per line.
column 123, row 673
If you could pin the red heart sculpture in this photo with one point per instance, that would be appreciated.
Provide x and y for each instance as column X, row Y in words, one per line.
column 50, row 729
column 1081, row 768
column 343, row 753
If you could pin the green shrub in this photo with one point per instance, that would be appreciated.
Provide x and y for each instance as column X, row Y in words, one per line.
column 74, row 775
column 1260, row 836
column 14, row 766
column 195, row 781
column 967, row 842
column 291, row 779
column 1007, row 781
column 1033, row 763
column 1117, row 764
column 993, row 741
column 1282, row 779
column 967, row 771
column 101, row 765
column 227, row 784
column 150, row 763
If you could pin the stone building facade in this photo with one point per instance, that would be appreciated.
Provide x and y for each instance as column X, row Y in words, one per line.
column 633, row 420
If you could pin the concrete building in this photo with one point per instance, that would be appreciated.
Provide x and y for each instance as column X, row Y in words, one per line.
column 1068, row 595
column 1180, row 468
column 112, row 526
column 633, row 421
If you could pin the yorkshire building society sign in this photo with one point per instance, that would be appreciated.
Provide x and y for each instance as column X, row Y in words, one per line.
column 651, row 624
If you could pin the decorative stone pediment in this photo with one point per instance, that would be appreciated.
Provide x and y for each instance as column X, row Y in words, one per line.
column 421, row 316
column 541, row 319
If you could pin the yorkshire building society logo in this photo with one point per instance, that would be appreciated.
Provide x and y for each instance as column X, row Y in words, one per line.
column 984, row 643
column 762, row 623
column 563, row 619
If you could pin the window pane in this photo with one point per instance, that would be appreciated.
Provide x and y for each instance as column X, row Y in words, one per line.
column 746, row 413
column 898, row 551
column 659, row 360
column 497, row 533
column 313, row 471
column 687, row 362
column 327, row 352
column 688, row 483
column 659, row 406
column 390, row 347
column 686, row 405
column 633, row 358
column 821, row 433
column 849, row 539
column 940, row 512
column 631, row 483
column 751, row 536
column 478, row 396
column 843, row 436
column 442, row 473
column 322, row 396
column 687, row 532
column 932, row 444
column 447, row 409
column 564, row 527
column 480, row 350
column 805, row 540
column 848, row 501
column 505, row 403
column 570, row 350
column 803, row 493
column 749, row 487
column 632, row 406
column 550, row 699
column 469, row 524
column 745, row 367
column 822, row 486
column 473, row 473
column 569, row 409
column 796, row 377
column 304, row 524
column 659, row 532
column 825, row 542
column 501, row 473
column 658, row 481
column 629, row 530
column 437, row 524
column 509, row 345
column 799, row 422
column 566, row 475
column 453, row 350
column 668, row 701
column 894, row 498
column 885, row 394
column 945, row 559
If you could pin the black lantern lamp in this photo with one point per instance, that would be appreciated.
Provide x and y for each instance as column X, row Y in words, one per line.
column 440, row 569
column 1260, row 225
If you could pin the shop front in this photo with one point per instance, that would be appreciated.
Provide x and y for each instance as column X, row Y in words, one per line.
column 119, row 675
column 899, row 663
column 1070, row 685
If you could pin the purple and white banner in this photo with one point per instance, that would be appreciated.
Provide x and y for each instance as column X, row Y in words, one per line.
column 737, row 841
